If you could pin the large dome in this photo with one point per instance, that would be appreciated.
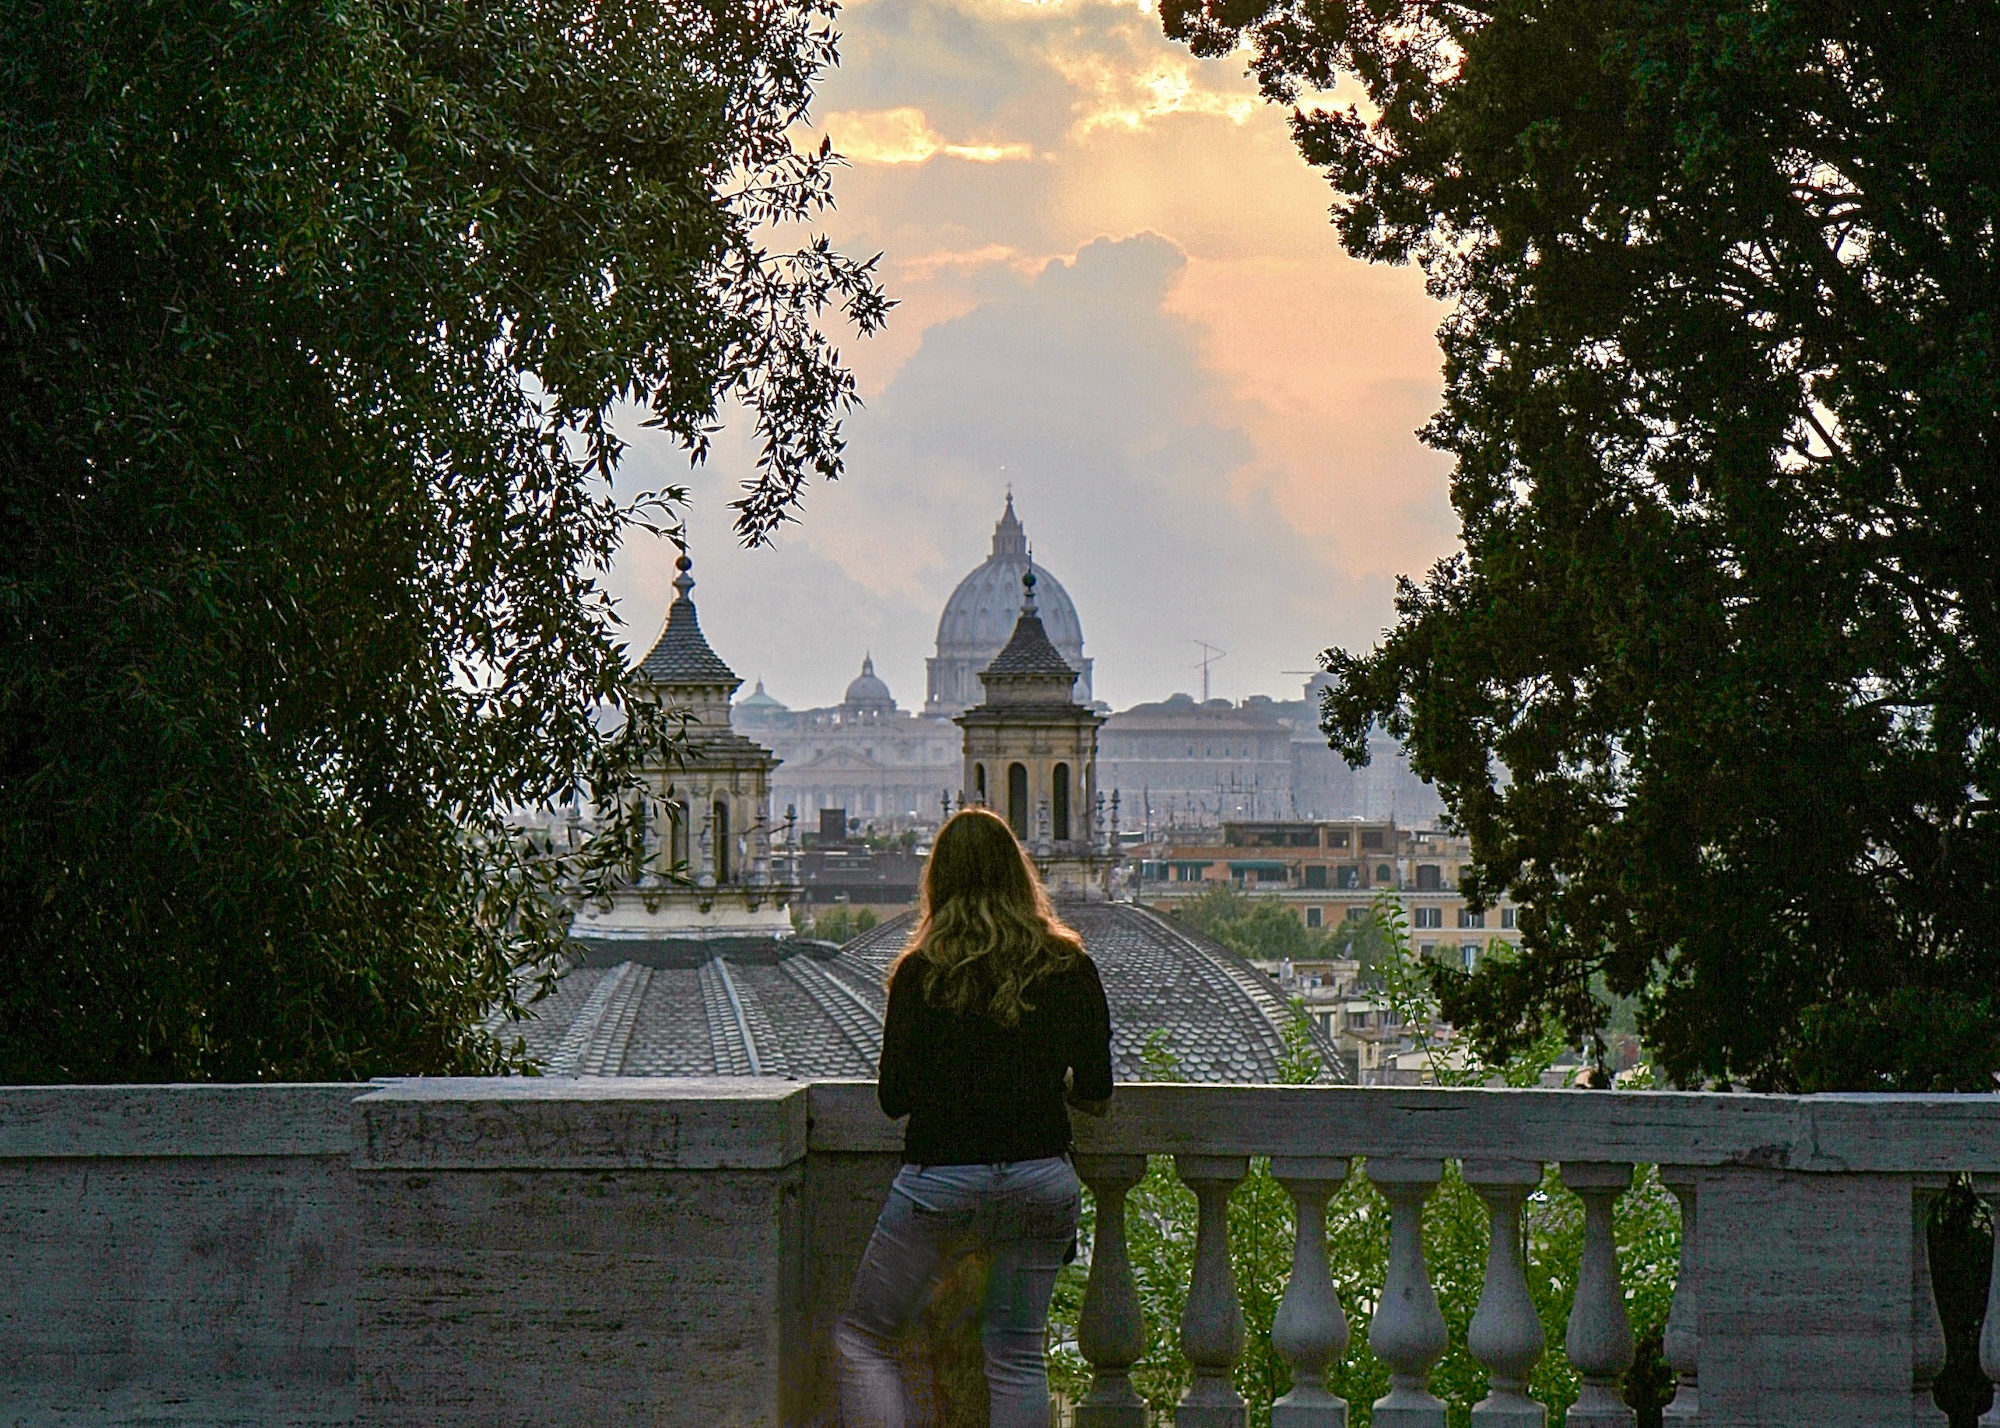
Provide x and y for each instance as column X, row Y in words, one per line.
column 980, row 615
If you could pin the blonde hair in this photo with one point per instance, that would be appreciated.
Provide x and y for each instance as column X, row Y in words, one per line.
column 986, row 931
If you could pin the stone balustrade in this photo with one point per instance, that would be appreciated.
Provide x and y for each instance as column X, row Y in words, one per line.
column 588, row 1251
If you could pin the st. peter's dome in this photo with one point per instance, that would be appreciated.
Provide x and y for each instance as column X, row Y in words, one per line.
column 979, row 617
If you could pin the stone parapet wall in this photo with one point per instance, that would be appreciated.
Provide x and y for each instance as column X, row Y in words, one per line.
column 177, row 1255
column 621, row 1251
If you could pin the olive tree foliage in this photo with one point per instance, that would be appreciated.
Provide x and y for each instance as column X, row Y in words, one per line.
column 1712, row 685
column 313, row 317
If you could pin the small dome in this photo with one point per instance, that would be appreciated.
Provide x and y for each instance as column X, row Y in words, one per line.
column 759, row 705
column 867, row 692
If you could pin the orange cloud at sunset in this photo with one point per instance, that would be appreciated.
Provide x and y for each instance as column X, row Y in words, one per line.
column 1119, row 291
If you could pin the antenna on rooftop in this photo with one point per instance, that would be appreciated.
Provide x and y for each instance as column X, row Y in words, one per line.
column 1209, row 655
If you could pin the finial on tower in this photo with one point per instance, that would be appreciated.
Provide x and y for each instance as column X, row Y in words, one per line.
column 684, row 582
column 1028, row 589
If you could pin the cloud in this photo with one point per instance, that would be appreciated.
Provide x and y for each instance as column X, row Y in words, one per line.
column 1123, row 99
column 1080, row 388
column 904, row 136
column 1149, row 329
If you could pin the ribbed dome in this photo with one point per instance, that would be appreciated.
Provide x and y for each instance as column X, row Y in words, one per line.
column 866, row 691
column 979, row 617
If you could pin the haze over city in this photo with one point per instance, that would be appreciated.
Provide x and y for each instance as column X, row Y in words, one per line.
column 1119, row 295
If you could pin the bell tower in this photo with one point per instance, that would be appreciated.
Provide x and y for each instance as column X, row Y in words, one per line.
column 708, row 865
column 1031, row 755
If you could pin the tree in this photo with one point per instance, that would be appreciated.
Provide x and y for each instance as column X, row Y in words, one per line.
column 1262, row 928
column 1712, row 686
column 313, row 317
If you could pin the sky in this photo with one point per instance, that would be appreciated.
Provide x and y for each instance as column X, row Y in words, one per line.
column 1119, row 294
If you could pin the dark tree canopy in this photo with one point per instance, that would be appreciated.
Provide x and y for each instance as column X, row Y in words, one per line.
column 1715, row 685
column 312, row 317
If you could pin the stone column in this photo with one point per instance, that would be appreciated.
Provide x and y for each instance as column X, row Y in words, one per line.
column 1111, row 1331
column 1408, row 1333
column 1212, row 1323
column 1506, row 1334
column 1683, row 1336
column 1599, row 1340
column 1310, row 1329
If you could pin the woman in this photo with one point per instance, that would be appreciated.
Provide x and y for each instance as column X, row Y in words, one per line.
column 996, row 1018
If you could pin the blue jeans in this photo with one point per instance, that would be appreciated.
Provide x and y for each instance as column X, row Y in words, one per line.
column 1025, row 1213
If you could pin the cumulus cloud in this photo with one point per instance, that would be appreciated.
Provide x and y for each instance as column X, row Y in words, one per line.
column 1078, row 388
column 904, row 136
column 1147, row 328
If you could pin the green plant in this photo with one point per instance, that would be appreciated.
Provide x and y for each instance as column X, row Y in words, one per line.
column 1160, row 1229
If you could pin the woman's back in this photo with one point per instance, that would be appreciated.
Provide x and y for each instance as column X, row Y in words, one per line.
column 979, row 1090
column 995, row 1012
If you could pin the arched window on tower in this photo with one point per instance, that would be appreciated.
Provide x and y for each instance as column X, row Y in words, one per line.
column 1059, row 801
column 1017, row 799
column 979, row 784
column 677, row 846
column 719, row 836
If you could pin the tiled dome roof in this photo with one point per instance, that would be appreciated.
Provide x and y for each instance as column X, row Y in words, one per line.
column 1181, row 1005
column 682, row 655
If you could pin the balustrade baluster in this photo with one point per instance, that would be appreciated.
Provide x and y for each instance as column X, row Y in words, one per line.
column 1111, row 1330
column 1989, row 1332
column 1408, row 1332
column 1212, row 1323
column 1506, row 1334
column 1310, row 1329
column 1599, row 1339
column 1683, row 1335
column 1926, row 1329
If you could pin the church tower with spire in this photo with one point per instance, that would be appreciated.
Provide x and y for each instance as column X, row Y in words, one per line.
column 708, row 868
column 1031, row 754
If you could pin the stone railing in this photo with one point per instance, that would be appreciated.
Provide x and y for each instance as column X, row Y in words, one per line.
column 623, row 1251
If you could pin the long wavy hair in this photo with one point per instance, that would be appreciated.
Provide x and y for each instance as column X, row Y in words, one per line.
column 986, row 931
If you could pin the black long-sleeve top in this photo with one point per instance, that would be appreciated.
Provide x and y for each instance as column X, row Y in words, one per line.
column 978, row 1092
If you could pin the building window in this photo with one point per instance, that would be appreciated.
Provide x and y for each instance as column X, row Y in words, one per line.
column 1336, row 837
column 1429, row 878
column 1017, row 799
column 1357, row 914
column 1312, row 917
column 979, row 784
column 677, row 815
column 1429, row 917
column 720, row 830
column 1315, row 875
column 1507, row 918
column 1059, row 801
column 1468, row 918
column 1384, row 873
column 1347, row 877
column 1469, row 953
column 1371, row 840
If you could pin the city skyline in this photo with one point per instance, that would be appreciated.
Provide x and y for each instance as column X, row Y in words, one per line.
column 1120, row 295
